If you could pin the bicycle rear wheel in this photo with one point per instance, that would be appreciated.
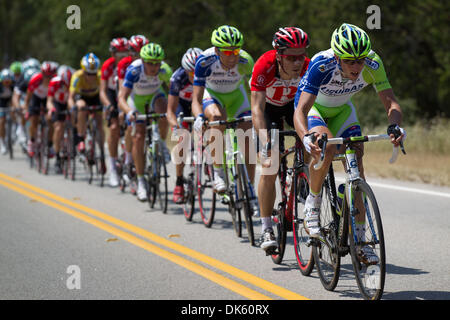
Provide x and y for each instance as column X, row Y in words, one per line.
column 9, row 136
column 161, row 184
column 325, row 248
column 189, row 193
column 302, row 243
column 370, row 278
column 245, row 198
column 205, row 193
column 280, row 230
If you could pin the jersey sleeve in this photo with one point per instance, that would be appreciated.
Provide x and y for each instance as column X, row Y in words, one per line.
column 131, row 77
column 74, row 82
column 52, row 87
column 260, row 78
column 203, row 69
column 374, row 72
column 35, row 82
column 246, row 63
column 175, row 83
column 165, row 73
column 318, row 70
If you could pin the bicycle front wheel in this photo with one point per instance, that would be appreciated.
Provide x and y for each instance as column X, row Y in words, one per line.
column 205, row 193
column 325, row 248
column 369, row 277
column 302, row 243
column 244, row 197
column 189, row 193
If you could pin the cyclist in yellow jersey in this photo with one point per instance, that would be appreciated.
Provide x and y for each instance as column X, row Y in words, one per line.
column 84, row 92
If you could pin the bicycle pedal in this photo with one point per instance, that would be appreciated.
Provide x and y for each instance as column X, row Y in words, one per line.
column 272, row 251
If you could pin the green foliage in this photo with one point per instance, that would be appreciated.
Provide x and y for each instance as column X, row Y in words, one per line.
column 413, row 40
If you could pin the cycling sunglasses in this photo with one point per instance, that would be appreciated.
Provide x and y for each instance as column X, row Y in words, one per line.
column 153, row 62
column 229, row 52
column 293, row 57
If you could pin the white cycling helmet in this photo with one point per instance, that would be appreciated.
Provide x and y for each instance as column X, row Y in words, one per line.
column 189, row 58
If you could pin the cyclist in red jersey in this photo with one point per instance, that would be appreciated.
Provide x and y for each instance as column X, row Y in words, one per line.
column 57, row 96
column 274, row 82
column 108, row 96
column 37, row 95
column 135, row 44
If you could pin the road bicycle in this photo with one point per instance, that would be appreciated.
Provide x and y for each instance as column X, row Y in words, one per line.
column 95, row 158
column 156, row 170
column 240, row 193
column 68, row 147
column 294, row 186
column 190, row 184
column 351, row 223
column 42, row 150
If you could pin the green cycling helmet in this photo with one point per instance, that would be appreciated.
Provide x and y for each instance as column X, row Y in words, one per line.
column 227, row 36
column 152, row 51
column 350, row 42
column 16, row 67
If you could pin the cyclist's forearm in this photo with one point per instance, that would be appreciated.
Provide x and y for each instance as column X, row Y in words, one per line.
column 197, row 98
column 393, row 110
column 103, row 96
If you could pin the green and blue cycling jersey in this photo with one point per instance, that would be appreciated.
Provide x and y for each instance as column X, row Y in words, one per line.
column 224, row 87
column 145, row 89
column 333, row 106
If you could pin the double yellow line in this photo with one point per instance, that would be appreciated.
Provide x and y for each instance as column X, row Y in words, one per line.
column 91, row 216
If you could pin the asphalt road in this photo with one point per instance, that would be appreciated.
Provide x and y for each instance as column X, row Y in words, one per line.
column 70, row 240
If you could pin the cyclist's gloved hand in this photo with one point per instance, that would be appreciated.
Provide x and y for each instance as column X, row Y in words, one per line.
column 397, row 131
column 307, row 139
column 131, row 115
column 265, row 150
column 199, row 121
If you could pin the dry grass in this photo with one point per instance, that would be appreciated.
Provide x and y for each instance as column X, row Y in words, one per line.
column 427, row 159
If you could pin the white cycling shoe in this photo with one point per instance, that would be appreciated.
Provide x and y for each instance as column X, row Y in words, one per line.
column 141, row 191
column 219, row 185
column 312, row 221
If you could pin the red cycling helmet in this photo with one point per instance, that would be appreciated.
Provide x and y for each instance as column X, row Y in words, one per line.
column 118, row 45
column 48, row 68
column 290, row 37
column 137, row 42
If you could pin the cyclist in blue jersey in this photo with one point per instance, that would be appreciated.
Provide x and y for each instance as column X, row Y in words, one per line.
column 180, row 99
column 219, row 90
column 323, row 105
column 142, row 87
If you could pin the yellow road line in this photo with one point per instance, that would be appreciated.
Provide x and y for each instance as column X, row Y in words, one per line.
column 240, row 274
column 196, row 268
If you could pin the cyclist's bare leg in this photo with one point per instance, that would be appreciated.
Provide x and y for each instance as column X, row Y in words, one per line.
column 34, row 120
column 318, row 176
column 100, row 129
column 138, row 148
column 2, row 127
column 266, row 191
column 361, row 216
column 81, row 117
column 113, row 138
column 214, row 113
column 250, row 160
column 163, row 124
column 57, row 135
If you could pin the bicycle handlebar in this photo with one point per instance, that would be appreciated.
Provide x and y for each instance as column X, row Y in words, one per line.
column 181, row 118
column 230, row 121
column 324, row 141
column 150, row 116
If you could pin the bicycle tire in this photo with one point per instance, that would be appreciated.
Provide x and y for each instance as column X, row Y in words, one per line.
column 45, row 151
column 280, row 230
column 162, row 176
column 325, row 248
column 90, row 152
column 244, row 196
column 9, row 129
column 189, row 192
column 370, row 278
column 205, row 178
column 302, row 245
